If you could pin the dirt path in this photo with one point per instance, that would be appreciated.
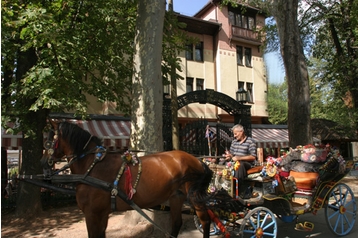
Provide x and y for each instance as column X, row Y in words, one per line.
column 69, row 222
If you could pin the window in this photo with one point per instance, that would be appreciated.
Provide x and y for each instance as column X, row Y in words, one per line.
column 248, row 57
column 238, row 20
column 246, row 21
column 241, row 85
column 250, row 23
column 196, row 52
column 199, row 52
column 189, row 52
column 199, row 84
column 249, row 87
column 239, row 55
column 189, row 84
column 232, row 18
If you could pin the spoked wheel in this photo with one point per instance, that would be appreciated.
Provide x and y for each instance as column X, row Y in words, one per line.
column 259, row 222
column 214, row 230
column 341, row 210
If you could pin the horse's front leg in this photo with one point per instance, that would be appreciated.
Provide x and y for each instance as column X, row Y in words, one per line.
column 96, row 223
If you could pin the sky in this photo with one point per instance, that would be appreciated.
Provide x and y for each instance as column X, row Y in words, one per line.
column 274, row 66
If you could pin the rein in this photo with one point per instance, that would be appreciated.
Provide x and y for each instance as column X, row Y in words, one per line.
column 100, row 152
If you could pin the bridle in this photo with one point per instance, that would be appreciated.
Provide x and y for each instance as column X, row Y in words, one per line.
column 51, row 145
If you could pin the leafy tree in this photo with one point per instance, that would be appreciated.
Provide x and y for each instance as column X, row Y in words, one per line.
column 55, row 54
column 48, row 49
column 333, row 27
column 291, row 48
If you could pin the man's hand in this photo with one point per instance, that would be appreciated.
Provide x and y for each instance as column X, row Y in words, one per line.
column 228, row 156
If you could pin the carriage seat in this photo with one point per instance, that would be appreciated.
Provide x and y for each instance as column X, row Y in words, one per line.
column 305, row 180
column 256, row 169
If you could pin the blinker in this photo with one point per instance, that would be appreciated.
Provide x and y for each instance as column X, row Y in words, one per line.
column 47, row 145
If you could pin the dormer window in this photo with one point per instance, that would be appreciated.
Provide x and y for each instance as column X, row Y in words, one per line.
column 242, row 20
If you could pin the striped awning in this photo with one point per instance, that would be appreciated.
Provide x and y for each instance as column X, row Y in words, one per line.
column 273, row 137
column 115, row 134
column 270, row 138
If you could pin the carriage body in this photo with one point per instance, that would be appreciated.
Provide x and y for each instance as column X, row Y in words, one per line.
column 286, row 195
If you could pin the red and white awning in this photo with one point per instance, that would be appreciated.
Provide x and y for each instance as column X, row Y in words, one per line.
column 270, row 138
column 115, row 134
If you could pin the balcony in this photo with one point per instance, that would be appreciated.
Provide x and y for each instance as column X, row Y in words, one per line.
column 245, row 35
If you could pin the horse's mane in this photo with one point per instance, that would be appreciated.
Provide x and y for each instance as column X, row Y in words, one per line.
column 77, row 137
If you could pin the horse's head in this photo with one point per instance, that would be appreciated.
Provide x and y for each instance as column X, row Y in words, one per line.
column 66, row 141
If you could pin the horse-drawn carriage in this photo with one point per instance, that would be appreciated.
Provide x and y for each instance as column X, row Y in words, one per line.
column 105, row 182
column 306, row 180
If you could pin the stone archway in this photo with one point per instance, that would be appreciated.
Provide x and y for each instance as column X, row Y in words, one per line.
column 241, row 113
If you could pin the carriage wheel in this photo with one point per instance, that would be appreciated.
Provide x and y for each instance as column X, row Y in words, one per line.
column 214, row 230
column 259, row 222
column 341, row 210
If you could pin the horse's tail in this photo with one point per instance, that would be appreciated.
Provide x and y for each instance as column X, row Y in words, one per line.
column 198, row 190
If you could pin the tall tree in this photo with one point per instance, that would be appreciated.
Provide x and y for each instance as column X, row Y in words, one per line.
column 147, row 86
column 332, row 26
column 285, row 14
column 54, row 53
column 299, row 122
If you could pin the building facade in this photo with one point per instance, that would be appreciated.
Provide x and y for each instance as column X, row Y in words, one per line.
column 227, row 58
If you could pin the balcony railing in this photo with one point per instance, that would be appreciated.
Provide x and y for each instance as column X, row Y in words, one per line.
column 242, row 33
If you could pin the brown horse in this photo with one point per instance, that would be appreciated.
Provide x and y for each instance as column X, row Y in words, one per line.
column 170, row 176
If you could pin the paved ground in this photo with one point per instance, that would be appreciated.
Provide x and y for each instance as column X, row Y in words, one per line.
column 69, row 222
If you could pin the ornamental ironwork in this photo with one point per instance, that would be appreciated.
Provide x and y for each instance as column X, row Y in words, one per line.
column 240, row 112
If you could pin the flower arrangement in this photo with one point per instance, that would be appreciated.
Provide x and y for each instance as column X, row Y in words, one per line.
column 130, row 157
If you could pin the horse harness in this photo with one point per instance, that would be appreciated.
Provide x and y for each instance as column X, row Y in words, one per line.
column 100, row 153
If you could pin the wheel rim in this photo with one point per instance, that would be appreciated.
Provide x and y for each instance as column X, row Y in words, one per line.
column 341, row 210
column 259, row 222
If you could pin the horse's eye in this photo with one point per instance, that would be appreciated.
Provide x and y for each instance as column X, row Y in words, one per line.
column 47, row 145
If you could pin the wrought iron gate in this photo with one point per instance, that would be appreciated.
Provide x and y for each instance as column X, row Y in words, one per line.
column 199, row 139
column 199, row 146
column 192, row 138
column 224, row 138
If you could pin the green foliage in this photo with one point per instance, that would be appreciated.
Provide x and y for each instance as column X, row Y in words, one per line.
column 326, row 102
column 334, row 26
column 82, row 48
column 277, row 103
column 174, row 40
column 79, row 48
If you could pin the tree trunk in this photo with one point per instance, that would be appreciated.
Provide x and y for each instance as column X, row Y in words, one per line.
column 147, row 89
column 174, row 103
column 29, row 196
column 147, row 92
column 299, row 122
column 174, row 98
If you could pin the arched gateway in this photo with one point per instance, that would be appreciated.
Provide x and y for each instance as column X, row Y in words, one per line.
column 240, row 112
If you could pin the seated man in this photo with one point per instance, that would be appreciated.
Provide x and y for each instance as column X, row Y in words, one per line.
column 242, row 149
